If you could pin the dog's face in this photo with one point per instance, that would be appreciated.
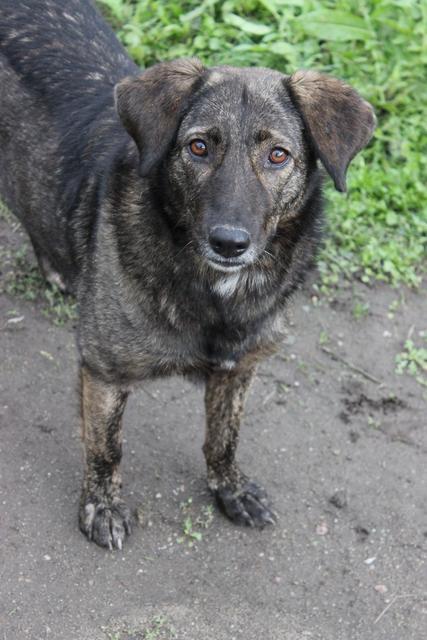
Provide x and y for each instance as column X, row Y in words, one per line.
column 238, row 146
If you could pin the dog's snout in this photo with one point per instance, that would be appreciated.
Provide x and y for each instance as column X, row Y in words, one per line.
column 228, row 241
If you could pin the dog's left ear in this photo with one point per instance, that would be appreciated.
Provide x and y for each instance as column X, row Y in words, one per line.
column 338, row 121
column 151, row 105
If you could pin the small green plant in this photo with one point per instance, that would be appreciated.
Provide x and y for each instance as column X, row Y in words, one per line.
column 190, row 534
column 5, row 213
column 60, row 307
column 323, row 338
column 194, row 523
column 24, row 280
column 394, row 306
column 205, row 519
column 360, row 310
column 413, row 360
column 373, row 422
column 157, row 629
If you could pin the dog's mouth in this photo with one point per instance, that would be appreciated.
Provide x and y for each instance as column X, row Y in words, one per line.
column 228, row 265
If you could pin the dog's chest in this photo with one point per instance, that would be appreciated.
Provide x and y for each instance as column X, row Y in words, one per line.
column 216, row 334
column 178, row 332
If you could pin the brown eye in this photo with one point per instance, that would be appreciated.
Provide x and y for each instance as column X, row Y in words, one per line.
column 278, row 156
column 198, row 148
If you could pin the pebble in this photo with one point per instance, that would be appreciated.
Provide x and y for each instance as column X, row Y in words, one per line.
column 322, row 529
column 381, row 588
column 139, row 512
column 339, row 499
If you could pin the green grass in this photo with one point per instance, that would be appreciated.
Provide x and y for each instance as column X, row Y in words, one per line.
column 194, row 524
column 157, row 629
column 379, row 229
column 413, row 360
column 24, row 280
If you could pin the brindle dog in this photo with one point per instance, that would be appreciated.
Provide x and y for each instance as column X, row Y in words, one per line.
column 182, row 205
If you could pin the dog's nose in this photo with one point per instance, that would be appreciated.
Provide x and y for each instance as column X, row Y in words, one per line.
column 229, row 242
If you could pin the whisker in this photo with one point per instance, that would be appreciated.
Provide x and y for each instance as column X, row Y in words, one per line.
column 270, row 254
column 183, row 248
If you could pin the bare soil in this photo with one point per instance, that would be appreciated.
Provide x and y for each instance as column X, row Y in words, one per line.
column 332, row 431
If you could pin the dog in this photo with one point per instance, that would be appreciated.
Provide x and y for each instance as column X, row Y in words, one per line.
column 182, row 205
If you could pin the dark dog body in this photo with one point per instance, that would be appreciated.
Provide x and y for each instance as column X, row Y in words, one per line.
column 129, row 227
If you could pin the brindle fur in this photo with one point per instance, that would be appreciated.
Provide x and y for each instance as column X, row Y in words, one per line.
column 95, row 164
column 103, row 515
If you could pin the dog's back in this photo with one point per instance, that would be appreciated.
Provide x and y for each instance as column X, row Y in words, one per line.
column 61, row 50
column 59, row 62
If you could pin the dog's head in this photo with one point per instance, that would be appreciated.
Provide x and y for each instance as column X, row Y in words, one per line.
column 236, row 147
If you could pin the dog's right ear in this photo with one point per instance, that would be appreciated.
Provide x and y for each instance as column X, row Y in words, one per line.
column 151, row 106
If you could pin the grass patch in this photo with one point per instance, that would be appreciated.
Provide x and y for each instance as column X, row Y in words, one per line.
column 157, row 629
column 194, row 524
column 379, row 230
column 24, row 280
column 413, row 360
column 360, row 310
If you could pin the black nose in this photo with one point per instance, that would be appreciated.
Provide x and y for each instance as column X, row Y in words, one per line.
column 229, row 242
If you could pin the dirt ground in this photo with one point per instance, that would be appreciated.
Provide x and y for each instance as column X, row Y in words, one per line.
column 332, row 431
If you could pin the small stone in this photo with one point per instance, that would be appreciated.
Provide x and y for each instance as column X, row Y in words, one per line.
column 46, row 557
column 322, row 529
column 362, row 532
column 15, row 320
column 381, row 588
column 370, row 561
column 339, row 499
column 139, row 513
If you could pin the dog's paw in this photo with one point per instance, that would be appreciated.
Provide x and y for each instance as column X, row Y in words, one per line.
column 249, row 505
column 105, row 523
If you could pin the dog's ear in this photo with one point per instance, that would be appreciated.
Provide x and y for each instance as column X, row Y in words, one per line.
column 338, row 121
column 151, row 105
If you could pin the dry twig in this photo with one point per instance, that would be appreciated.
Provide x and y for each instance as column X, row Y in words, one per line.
column 351, row 366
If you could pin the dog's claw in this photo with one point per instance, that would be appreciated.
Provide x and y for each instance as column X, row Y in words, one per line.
column 249, row 506
column 106, row 524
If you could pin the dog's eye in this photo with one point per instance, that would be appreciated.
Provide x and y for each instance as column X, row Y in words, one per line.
column 198, row 148
column 278, row 156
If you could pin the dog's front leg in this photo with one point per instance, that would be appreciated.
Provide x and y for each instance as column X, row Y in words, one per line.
column 240, row 498
column 103, row 516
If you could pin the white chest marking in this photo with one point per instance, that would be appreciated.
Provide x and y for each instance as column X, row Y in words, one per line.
column 227, row 286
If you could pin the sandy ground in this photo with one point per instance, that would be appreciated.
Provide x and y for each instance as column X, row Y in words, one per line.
column 316, row 428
